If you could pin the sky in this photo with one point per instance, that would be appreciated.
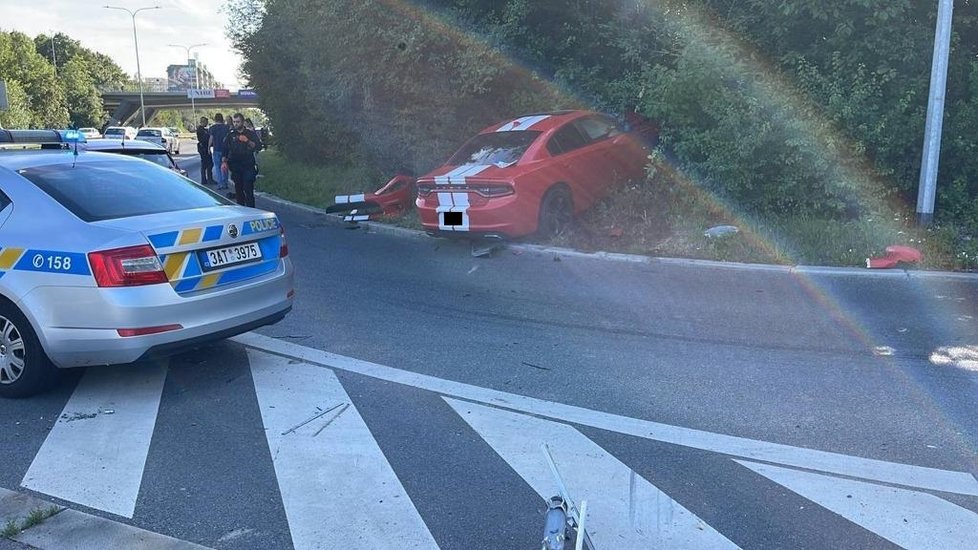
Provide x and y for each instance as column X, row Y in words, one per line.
column 184, row 22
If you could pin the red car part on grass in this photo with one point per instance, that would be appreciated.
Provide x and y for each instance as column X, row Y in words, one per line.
column 513, row 175
column 895, row 255
column 393, row 199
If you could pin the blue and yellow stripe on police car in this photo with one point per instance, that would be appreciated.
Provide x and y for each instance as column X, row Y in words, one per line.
column 9, row 257
column 193, row 279
column 259, row 226
column 195, row 235
column 173, row 264
column 212, row 280
column 43, row 261
column 184, row 237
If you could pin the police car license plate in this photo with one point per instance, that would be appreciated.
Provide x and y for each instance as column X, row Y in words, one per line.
column 216, row 258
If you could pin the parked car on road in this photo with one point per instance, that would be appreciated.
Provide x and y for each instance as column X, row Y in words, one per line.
column 90, row 133
column 120, row 132
column 106, row 259
column 164, row 136
column 135, row 148
column 530, row 174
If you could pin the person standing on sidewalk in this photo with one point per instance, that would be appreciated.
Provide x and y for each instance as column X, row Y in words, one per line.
column 261, row 145
column 239, row 149
column 203, row 149
column 219, row 132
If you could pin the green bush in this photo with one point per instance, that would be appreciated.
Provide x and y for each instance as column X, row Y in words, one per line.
column 777, row 108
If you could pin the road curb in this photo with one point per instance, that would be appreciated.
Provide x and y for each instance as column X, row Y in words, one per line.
column 68, row 529
column 382, row 228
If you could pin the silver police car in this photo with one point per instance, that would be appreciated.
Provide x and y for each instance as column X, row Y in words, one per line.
column 106, row 259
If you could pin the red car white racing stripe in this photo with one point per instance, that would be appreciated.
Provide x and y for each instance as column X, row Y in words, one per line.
column 347, row 199
column 445, row 179
column 456, row 202
column 523, row 123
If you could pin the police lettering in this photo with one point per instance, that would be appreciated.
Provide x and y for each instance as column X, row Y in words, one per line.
column 266, row 224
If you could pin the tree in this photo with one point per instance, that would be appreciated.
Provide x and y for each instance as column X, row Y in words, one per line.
column 790, row 107
column 103, row 71
column 82, row 75
column 19, row 114
column 20, row 63
column 82, row 97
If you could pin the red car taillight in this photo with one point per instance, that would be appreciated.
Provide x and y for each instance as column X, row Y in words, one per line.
column 486, row 190
column 283, row 248
column 129, row 266
column 492, row 191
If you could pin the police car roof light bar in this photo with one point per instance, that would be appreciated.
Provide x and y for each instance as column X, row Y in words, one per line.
column 41, row 136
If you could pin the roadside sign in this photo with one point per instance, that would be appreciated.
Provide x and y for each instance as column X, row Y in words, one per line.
column 221, row 92
column 247, row 93
column 4, row 106
column 200, row 93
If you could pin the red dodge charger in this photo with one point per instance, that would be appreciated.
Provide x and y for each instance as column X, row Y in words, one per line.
column 529, row 175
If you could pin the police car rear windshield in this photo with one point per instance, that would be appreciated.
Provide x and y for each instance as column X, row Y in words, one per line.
column 108, row 190
column 494, row 148
column 154, row 133
column 159, row 157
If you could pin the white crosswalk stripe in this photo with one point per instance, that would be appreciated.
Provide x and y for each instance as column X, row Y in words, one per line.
column 911, row 519
column 624, row 510
column 935, row 479
column 96, row 452
column 338, row 489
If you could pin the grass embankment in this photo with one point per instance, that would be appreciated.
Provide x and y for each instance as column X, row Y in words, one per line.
column 664, row 217
column 313, row 185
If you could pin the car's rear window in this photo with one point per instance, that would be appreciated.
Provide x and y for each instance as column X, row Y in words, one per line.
column 113, row 131
column 107, row 190
column 158, row 157
column 154, row 133
column 494, row 148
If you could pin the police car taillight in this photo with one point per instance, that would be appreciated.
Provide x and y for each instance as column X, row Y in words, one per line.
column 283, row 249
column 129, row 266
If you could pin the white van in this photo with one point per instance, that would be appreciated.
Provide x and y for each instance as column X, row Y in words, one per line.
column 120, row 132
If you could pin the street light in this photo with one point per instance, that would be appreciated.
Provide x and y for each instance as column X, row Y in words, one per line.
column 54, row 56
column 193, row 105
column 139, row 72
column 927, row 188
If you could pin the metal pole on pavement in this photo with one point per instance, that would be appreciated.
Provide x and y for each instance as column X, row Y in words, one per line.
column 927, row 188
column 139, row 72
column 193, row 104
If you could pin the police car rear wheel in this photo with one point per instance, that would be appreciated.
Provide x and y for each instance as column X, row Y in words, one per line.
column 24, row 368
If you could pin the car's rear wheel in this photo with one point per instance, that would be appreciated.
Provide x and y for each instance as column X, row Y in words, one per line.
column 24, row 368
column 556, row 211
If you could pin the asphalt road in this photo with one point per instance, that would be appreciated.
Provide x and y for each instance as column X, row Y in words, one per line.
column 851, row 365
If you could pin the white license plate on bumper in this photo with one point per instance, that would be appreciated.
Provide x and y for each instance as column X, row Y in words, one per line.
column 217, row 258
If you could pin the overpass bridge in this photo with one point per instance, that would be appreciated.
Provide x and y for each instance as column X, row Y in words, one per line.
column 124, row 106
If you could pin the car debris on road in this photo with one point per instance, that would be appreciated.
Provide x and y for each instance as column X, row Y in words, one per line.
column 392, row 200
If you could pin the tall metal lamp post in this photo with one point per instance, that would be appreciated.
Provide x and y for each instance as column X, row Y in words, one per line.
column 927, row 189
column 139, row 72
column 193, row 105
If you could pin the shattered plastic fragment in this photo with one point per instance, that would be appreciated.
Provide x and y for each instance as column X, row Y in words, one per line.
column 720, row 231
column 895, row 255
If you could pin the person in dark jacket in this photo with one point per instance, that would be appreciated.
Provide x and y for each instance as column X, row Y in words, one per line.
column 219, row 131
column 206, row 160
column 239, row 159
column 261, row 145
